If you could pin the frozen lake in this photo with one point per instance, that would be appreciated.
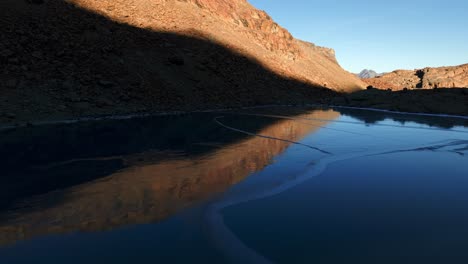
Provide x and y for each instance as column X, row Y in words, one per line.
column 267, row 185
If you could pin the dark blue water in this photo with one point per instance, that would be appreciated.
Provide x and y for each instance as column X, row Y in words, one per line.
column 258, row 186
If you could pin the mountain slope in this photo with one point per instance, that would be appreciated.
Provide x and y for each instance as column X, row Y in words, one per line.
column 71, row 58
column 238, row 26
column 427, row 78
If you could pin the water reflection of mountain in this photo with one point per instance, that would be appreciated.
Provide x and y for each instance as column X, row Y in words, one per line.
column 371, row 117
column 132, row 172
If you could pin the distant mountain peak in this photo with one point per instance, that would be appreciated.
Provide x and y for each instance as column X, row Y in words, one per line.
column 366, row 74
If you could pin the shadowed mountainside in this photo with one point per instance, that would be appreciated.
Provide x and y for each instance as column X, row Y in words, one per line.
column 153, row 181
column 433, row 101
column 63, row 59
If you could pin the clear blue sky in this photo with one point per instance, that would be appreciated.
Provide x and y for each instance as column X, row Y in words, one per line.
column 379, row 35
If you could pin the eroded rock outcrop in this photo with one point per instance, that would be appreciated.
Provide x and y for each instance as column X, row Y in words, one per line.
column 258, row 24
column 427, row 78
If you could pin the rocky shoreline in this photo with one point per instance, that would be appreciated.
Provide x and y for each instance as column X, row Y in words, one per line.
column 450, row 102
column 453, row 101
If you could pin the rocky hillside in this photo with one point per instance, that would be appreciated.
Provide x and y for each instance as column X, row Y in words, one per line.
column 427, row 78
column 69, row 58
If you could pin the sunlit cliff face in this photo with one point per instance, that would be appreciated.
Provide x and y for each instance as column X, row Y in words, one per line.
column 153, row 186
